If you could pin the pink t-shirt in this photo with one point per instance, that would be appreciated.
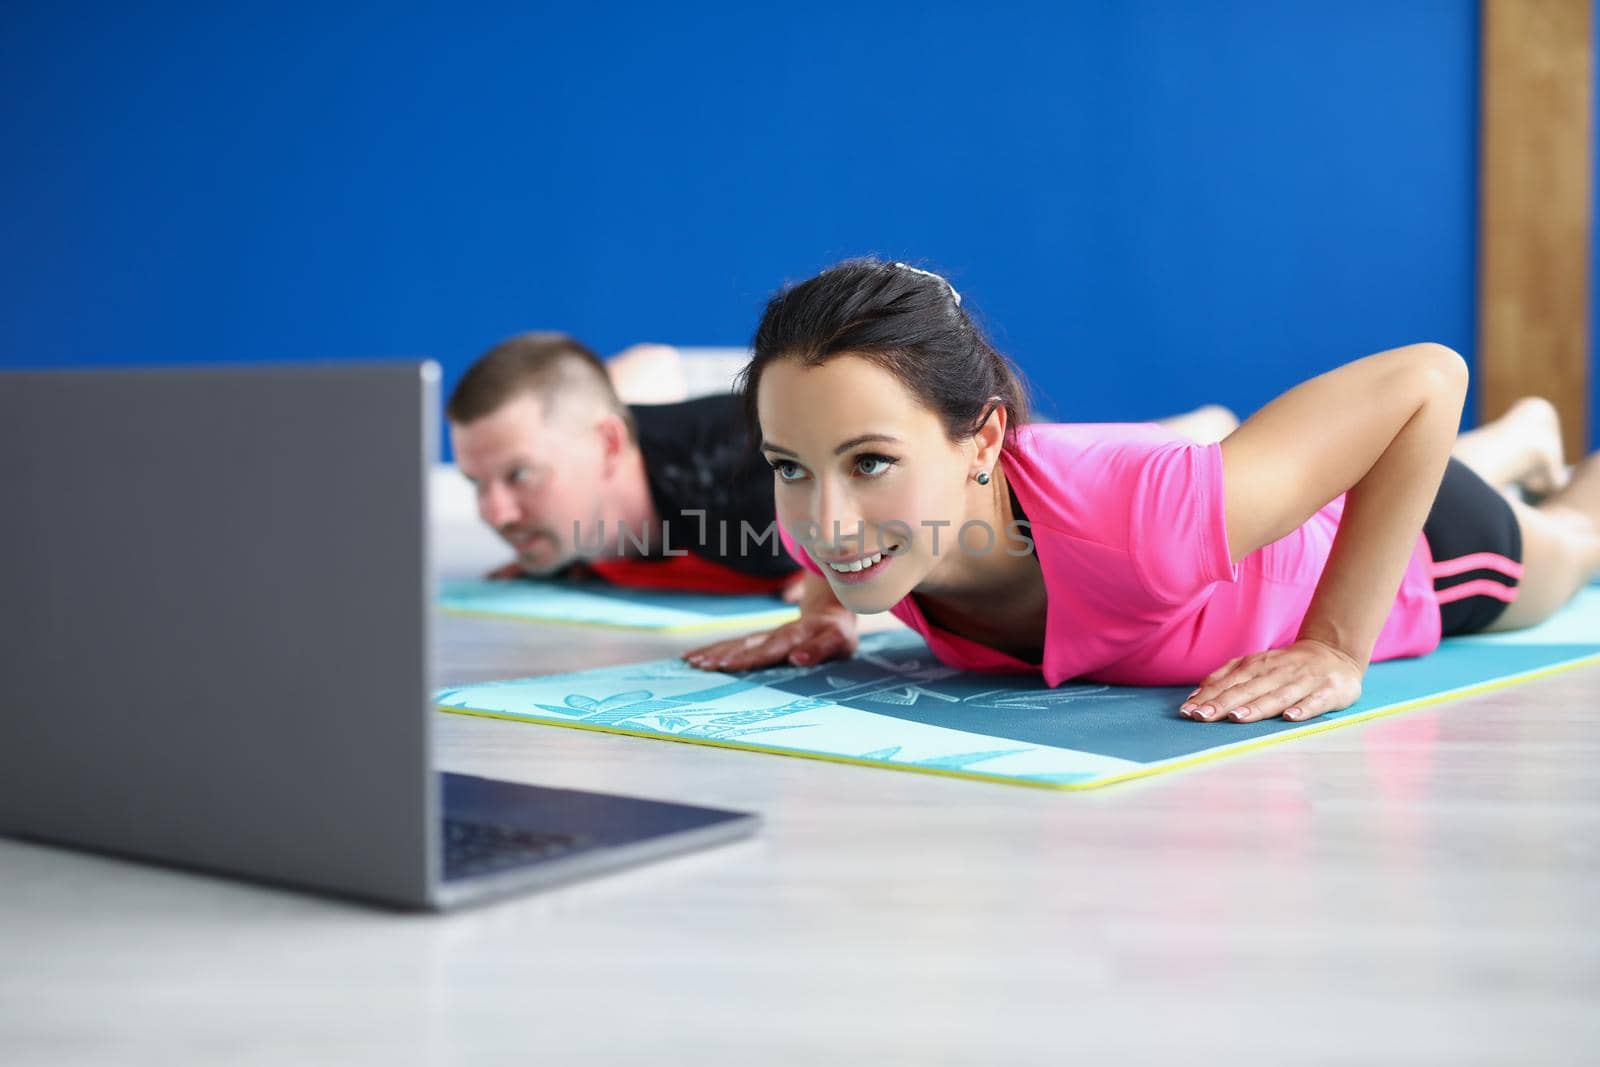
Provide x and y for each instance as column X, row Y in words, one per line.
column 1128, row 524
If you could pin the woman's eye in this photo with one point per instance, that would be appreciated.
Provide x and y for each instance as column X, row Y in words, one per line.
column 787, row 471
column 872, row 466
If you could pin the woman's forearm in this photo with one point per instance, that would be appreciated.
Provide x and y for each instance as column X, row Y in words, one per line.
column 1383, row 514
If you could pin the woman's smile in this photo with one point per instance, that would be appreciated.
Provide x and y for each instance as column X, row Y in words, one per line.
column 861, row 569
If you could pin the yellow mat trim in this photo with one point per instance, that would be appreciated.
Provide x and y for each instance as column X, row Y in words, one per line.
column 1314, row 727
column 1311, row 727
column 802, row 753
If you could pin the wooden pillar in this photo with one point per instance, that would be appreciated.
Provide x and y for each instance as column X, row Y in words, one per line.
column 1535, row 225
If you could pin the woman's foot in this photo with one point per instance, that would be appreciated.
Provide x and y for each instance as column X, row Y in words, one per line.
column 1539, row 425
column 1580, row 494
column 1521, row 450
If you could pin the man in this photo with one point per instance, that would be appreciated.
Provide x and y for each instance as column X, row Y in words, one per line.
column 664, row 496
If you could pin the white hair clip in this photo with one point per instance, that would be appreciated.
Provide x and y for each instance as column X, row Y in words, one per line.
column 929, row 274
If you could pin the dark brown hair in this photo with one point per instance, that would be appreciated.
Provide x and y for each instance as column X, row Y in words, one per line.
column 905, row 320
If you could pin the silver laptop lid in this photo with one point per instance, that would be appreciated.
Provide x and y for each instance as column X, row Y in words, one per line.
column 214, row 592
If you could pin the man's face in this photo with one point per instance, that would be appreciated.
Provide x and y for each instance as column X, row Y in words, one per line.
column 538, row 479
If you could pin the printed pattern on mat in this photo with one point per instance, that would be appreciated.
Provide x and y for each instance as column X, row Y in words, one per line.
column 862, row 710
column 894, row 705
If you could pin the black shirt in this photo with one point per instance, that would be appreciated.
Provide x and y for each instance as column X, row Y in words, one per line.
column 698, row 457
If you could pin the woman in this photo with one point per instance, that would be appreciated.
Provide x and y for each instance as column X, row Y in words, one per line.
column 1330, row 530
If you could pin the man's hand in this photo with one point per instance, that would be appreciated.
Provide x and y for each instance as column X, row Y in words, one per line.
column 509, row 570
column 1300, row 682
column 809, row 639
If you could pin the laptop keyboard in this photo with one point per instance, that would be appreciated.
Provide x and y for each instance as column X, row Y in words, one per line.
column 474, row 848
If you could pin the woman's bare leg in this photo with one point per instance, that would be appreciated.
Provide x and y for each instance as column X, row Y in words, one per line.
column 1204, row 424
column 1560, row 548
column 1521, row 447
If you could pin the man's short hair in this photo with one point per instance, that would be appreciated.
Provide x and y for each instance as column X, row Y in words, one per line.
column 545, row 364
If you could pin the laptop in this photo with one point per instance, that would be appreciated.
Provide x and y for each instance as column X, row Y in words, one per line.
column 216, row 599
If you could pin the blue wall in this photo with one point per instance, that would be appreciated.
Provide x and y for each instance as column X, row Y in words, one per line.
column 1152, row 204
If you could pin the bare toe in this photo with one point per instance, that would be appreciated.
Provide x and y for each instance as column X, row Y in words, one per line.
column 1582, row 491
column 1539, row 425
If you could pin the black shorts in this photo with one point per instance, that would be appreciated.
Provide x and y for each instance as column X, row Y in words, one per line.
column 1477, row 551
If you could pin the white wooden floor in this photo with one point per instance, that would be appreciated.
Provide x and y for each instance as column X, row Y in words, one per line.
column 1422, row 889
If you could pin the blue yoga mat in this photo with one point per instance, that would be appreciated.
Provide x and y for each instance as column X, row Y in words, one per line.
column 601, row 605
column 896, row 706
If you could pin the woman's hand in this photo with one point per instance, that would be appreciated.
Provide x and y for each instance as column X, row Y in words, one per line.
column 810, row 639
column 1299, row 682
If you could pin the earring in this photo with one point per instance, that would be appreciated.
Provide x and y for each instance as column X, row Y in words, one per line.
column 983, row 477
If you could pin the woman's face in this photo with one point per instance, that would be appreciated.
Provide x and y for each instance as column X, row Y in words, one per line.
column 864, row 477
